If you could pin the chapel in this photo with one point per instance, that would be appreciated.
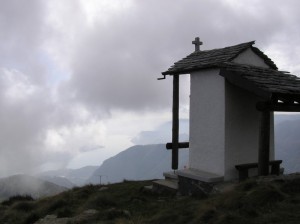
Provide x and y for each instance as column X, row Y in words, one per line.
column 234, row 92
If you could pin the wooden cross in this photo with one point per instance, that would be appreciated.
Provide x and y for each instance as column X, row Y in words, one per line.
column 197, row 43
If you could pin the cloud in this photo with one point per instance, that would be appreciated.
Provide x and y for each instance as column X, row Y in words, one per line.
column 36, row 129
column 116, row 63
column 90, row 148
column 21, row 35
column 22, row 104
column 162, row 134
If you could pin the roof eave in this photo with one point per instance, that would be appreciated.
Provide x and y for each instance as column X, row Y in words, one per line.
column 233, row 78
column 189, row 70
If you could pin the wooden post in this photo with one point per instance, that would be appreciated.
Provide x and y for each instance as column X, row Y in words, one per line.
column 181, row 145
column 264, row 144
column 175, row 122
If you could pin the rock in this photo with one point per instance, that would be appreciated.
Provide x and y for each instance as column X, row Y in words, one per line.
column 52, row 219
column 90, row 212
column 103, row 188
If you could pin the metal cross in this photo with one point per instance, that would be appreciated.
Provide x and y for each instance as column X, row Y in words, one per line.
column 197, row 43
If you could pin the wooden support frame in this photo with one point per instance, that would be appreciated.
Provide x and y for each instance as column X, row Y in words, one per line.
column 280, row 107
column 175, row 122
column 266, row 108
column 181, row 145
column 264, row 143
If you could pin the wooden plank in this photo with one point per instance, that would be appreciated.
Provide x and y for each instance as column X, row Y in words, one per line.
column 264, row 144
column 181, row 145
column 255, row 165
column 175, row 122
column 280, row 107
column 243, row 169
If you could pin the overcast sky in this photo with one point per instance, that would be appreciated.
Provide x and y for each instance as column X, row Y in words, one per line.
column 78, row 78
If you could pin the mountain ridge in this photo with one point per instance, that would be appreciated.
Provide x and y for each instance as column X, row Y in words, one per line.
column 139, row 162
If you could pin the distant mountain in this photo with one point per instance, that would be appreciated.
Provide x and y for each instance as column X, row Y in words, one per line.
column 76, row 177
column 27, row 185
column 162, row 134
column 287, row 144
column 140, row 162
column 60, row 181
column 278, row 118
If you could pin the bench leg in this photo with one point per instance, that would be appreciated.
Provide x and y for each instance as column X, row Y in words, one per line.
column 275, row 169
column 243, row 174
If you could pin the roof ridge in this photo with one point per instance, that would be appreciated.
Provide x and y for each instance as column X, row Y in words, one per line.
column 250, row 43
column 247, row 45
column 201, row 59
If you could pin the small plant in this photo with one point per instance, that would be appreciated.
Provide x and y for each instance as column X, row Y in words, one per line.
column 17, row 198
column 64, row 212
column 102, row 201
column 31, row 218
column 58, row 204
column 24, row 206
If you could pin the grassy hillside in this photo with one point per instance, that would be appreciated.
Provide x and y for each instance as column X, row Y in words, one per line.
column 253, row 201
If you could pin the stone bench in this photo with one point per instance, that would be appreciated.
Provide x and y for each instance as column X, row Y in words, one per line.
column 243, row 168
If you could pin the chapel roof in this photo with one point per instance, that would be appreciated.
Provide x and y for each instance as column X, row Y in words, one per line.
column 208, row 58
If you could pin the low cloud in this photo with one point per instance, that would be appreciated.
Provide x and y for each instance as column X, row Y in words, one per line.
column 162, row 134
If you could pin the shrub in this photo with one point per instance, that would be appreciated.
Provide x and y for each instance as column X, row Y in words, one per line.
column 17, row 198
column 58, row 204
column 64, row 212
column 24, row 206
column 102, row 201
column 31, row 218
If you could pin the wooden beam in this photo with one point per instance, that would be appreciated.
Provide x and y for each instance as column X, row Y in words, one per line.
column 264, row 144
column 280, row 107
column 181, row 145
column 175, row 122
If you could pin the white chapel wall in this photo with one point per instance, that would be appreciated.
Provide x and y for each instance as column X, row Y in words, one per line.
column 207, row 121
column 250, row 58
column 242, row 129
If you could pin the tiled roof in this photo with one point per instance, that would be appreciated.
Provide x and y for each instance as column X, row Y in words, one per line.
column 262, row 81
column 204, row 59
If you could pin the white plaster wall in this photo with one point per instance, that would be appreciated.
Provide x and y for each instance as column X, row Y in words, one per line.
column 250, row 58
column 207, row 121
column 242, row 129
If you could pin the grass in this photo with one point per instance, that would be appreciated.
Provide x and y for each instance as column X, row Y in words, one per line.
column 127, row 203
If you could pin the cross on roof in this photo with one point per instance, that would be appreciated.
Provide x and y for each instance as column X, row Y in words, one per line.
column 197, row 43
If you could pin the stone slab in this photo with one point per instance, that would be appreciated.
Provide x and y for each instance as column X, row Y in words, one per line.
column 166, row 183
column 200, row 175
column 171, row 175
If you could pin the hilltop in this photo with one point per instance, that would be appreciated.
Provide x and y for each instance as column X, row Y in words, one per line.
column 261, row 200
